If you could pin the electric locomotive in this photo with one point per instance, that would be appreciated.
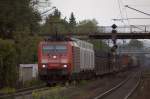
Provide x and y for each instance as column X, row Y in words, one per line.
column 61, row 60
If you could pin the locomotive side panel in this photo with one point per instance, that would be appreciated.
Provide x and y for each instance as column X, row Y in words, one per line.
column 86, row 64
column 86, row 55
column 76, row 59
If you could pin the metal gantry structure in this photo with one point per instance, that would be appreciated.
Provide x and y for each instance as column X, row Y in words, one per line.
column 133, row 52
column 120, row 36
column 132, row 33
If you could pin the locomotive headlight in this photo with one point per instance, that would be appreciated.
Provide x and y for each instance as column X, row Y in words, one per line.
column 44, row 66
column 65, row 66
column 54, row 57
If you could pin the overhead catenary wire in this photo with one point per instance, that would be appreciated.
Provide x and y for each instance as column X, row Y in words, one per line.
column 136, row 5
column 120, row 10
column 127, row 16
column 142, row 12
column 134, row 18
column 131, row 19
column 137, row 10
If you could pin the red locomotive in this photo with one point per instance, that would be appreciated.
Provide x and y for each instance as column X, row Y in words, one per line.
column 64, row 59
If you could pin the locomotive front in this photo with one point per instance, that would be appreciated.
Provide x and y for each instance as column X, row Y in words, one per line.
column 54, row 60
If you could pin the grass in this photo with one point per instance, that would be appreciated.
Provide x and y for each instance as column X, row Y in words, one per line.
column 32, row 82
column 7, row 90
column 83, row 82
column 52, row 93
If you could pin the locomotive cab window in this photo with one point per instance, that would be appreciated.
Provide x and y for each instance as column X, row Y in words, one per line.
column 61, row 48
column 54, row 48
column 48, row 49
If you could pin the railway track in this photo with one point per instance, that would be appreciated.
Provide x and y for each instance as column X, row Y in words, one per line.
column 24, row 91
column 27, row 93
column 142, row 91
column 124, row 89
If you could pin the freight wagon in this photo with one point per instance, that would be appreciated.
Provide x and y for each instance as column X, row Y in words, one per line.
column 103, row 63
column 106, row 63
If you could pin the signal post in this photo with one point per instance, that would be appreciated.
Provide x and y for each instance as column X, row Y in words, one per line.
column 114, row 47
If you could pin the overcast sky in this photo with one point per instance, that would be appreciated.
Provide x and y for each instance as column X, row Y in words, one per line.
column 104, row 10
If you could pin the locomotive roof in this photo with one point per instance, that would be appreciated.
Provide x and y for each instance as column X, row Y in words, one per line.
column 58, row 38
column 83, row 44
column 77, row 42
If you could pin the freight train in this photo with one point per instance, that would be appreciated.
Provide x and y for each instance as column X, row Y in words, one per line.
column 75, row 59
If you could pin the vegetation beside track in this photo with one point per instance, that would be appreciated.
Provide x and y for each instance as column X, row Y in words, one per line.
column 7, row 90
column 19, row 39
column 32, row 83
column 21, row 31
column 51, row 93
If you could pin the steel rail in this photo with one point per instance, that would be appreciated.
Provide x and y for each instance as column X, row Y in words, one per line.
column 24, row 91
column 106, row 93
column 112, row 89
column 134, row 88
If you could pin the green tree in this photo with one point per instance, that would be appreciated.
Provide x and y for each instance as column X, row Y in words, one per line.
column 87, row 26
column 26, row 47
column 72, row 22
column 8, row 63
column 17, row 15
column 100, row 45
column 135, row 44
column 55, row 24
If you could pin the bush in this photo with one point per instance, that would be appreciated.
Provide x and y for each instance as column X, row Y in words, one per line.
column 8, row 63
column 27, row 48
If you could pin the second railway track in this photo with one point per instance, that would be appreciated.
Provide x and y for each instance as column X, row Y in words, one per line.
column 124, row 89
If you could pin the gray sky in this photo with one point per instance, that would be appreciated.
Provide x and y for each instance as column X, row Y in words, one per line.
column 103, row 10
